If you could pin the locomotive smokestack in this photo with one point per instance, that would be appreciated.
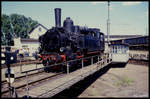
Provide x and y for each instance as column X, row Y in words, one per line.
column 58, row 17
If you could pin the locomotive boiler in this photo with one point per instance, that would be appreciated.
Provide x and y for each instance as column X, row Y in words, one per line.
column 68, row 42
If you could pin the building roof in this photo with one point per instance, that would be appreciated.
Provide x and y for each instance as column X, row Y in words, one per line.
column 130, row 38
column 37, row 26
column 123, row 36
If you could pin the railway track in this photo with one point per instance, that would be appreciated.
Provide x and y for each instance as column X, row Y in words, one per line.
column 22, row 63
column 33, row 80
column 20, row 77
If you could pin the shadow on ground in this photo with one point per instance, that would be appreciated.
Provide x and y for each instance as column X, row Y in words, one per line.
column 78, row 88
column 119, row 65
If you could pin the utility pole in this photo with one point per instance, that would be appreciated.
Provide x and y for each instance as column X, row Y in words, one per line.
column 108, row 23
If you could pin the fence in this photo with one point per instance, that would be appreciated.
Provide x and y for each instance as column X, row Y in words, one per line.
column 101, row 61
column 139, row 56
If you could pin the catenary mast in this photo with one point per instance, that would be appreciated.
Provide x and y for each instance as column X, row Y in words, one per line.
column 108, row 23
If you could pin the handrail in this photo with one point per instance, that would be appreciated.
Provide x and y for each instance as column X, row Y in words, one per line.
column 52, row 65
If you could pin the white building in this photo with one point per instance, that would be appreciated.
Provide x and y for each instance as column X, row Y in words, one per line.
column 37, row 31
column 120, row 53
column 30, row 45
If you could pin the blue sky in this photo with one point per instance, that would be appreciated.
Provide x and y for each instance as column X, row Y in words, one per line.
column 125, row 17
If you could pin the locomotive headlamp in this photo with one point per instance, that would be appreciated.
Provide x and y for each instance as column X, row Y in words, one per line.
column 62, row 49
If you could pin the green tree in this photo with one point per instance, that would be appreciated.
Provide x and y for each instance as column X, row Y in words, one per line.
column 21, row 26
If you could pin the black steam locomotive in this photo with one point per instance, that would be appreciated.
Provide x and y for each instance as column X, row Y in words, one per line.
column 68, row 42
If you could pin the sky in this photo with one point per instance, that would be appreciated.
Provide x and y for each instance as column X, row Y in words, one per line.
column 126, row 18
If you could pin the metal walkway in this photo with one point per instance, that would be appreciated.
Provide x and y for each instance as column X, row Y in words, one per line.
column 57, row 85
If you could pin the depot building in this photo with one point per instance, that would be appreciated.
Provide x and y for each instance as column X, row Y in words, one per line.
column 30, row 45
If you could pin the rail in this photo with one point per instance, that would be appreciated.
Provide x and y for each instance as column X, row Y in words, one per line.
column 100, row 60
column 98, row 65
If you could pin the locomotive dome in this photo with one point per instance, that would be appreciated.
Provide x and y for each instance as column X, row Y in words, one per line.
column 68, row 24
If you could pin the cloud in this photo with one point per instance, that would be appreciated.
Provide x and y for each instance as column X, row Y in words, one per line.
column 130, row 3
column 94, row 3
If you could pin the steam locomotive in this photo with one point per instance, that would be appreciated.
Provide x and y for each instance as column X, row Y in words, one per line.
column 69, row 42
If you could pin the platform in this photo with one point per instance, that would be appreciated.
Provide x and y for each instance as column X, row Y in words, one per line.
column 57, row 85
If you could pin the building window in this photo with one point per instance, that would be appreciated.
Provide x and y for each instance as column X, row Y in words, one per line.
column 40, row 29
column 24, row 45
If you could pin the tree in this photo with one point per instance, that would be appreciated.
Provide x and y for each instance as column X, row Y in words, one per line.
column 21, row 26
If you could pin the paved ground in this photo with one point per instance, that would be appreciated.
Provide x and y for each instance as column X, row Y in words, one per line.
column 131, row 81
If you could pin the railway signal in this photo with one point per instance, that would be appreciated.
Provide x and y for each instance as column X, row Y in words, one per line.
column 9, row 75
column 9, row 58
column 10, row 78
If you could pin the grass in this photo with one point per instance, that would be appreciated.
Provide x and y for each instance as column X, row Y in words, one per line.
column 125, row 81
